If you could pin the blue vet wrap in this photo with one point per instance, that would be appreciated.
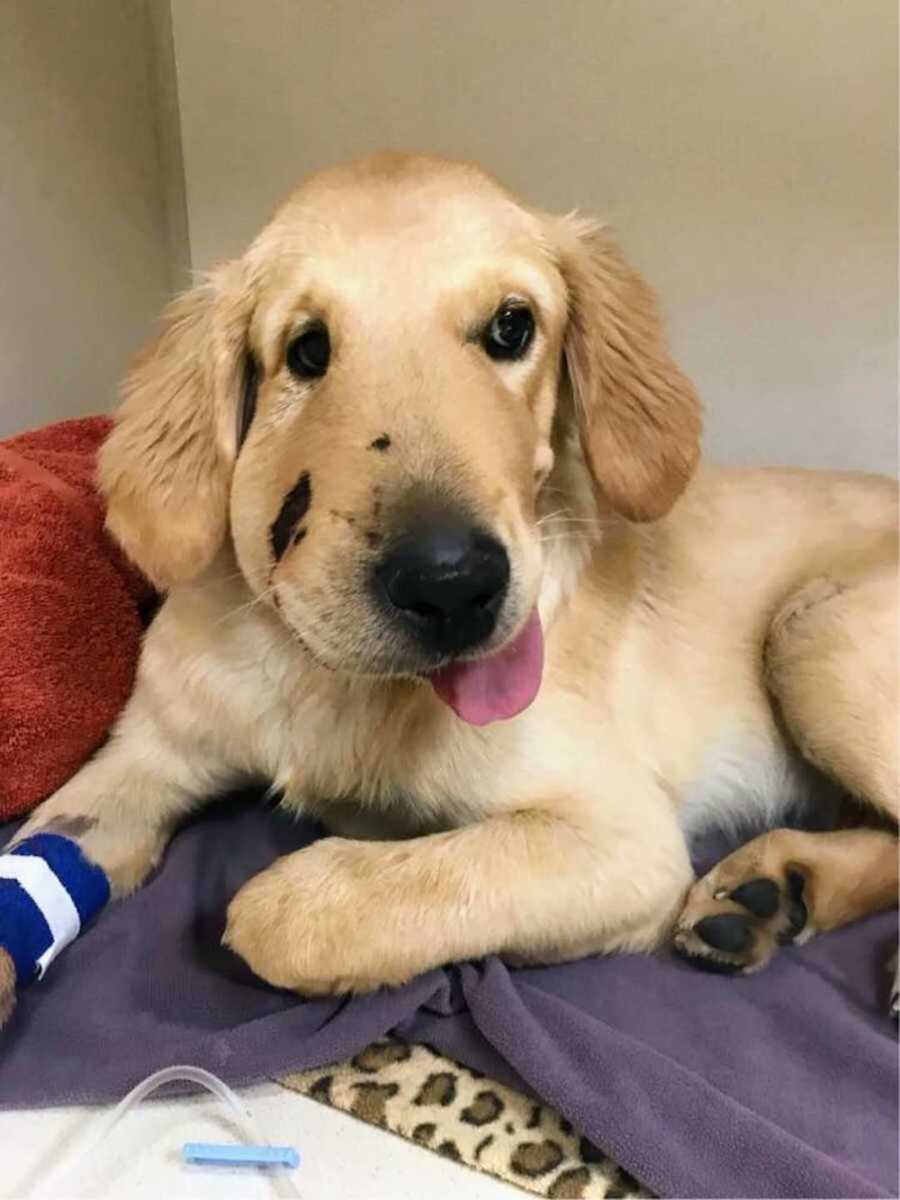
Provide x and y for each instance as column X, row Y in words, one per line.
column 44, row 904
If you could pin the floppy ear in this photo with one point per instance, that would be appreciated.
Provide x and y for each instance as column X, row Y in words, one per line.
column 166, row 466
column 638, row 415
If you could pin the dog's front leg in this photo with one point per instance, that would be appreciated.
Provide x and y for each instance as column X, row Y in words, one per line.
column 120, row 810
column 348, row 916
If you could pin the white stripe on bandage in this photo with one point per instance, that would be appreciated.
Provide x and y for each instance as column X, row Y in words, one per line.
column 36, row 877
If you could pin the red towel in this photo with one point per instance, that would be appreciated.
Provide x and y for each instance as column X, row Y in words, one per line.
column 70, row 612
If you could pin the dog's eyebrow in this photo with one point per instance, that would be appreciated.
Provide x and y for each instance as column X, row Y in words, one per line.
column 249, row 389
column 293, row 510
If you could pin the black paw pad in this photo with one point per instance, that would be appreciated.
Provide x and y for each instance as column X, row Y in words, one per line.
column 760, row 896
column 728, row 931
column 797, row 911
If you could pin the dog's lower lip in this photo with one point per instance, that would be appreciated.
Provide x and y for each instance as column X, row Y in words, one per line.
column 459, row 658
column 496, row 648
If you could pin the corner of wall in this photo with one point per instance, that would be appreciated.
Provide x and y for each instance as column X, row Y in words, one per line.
column 164, row 82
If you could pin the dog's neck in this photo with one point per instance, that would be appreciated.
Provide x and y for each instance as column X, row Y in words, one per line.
column 570, row 524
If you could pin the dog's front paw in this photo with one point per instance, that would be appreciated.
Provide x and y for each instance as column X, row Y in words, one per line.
column 313, row 923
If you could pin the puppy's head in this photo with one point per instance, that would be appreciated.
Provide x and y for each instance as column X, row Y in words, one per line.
column 368, row 403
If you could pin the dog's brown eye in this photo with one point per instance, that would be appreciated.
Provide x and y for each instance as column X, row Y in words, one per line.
column 510, row 332
column 309, row 353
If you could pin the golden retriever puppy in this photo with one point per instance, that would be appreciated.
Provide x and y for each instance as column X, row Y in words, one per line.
column 419, row 477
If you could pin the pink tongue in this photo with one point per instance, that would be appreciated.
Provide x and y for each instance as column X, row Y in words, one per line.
column 499, row 687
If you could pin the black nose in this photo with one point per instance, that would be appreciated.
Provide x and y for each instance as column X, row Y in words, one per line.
column 445, row 580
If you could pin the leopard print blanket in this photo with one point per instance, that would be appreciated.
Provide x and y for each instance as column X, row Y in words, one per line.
column 456, row 1112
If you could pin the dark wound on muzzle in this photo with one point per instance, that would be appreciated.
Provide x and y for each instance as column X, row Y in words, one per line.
column 249, row 389
column 293, row 510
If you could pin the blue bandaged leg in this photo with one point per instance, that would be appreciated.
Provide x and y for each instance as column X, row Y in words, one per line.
column 48, row 891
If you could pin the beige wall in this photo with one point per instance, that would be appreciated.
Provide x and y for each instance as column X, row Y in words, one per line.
column 84, row 244
column 746, row 150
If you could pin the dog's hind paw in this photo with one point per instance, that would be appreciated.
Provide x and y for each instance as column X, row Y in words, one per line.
column 738, row 915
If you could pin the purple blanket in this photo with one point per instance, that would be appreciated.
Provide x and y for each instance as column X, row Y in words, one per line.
column 784, row 1084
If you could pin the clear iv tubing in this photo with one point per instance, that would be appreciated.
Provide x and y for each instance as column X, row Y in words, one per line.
column 282, row 1184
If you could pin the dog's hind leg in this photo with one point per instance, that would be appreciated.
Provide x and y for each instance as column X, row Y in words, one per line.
column 832, row 667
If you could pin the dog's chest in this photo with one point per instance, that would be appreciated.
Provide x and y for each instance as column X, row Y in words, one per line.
column 355, row 750
column 750, row 783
